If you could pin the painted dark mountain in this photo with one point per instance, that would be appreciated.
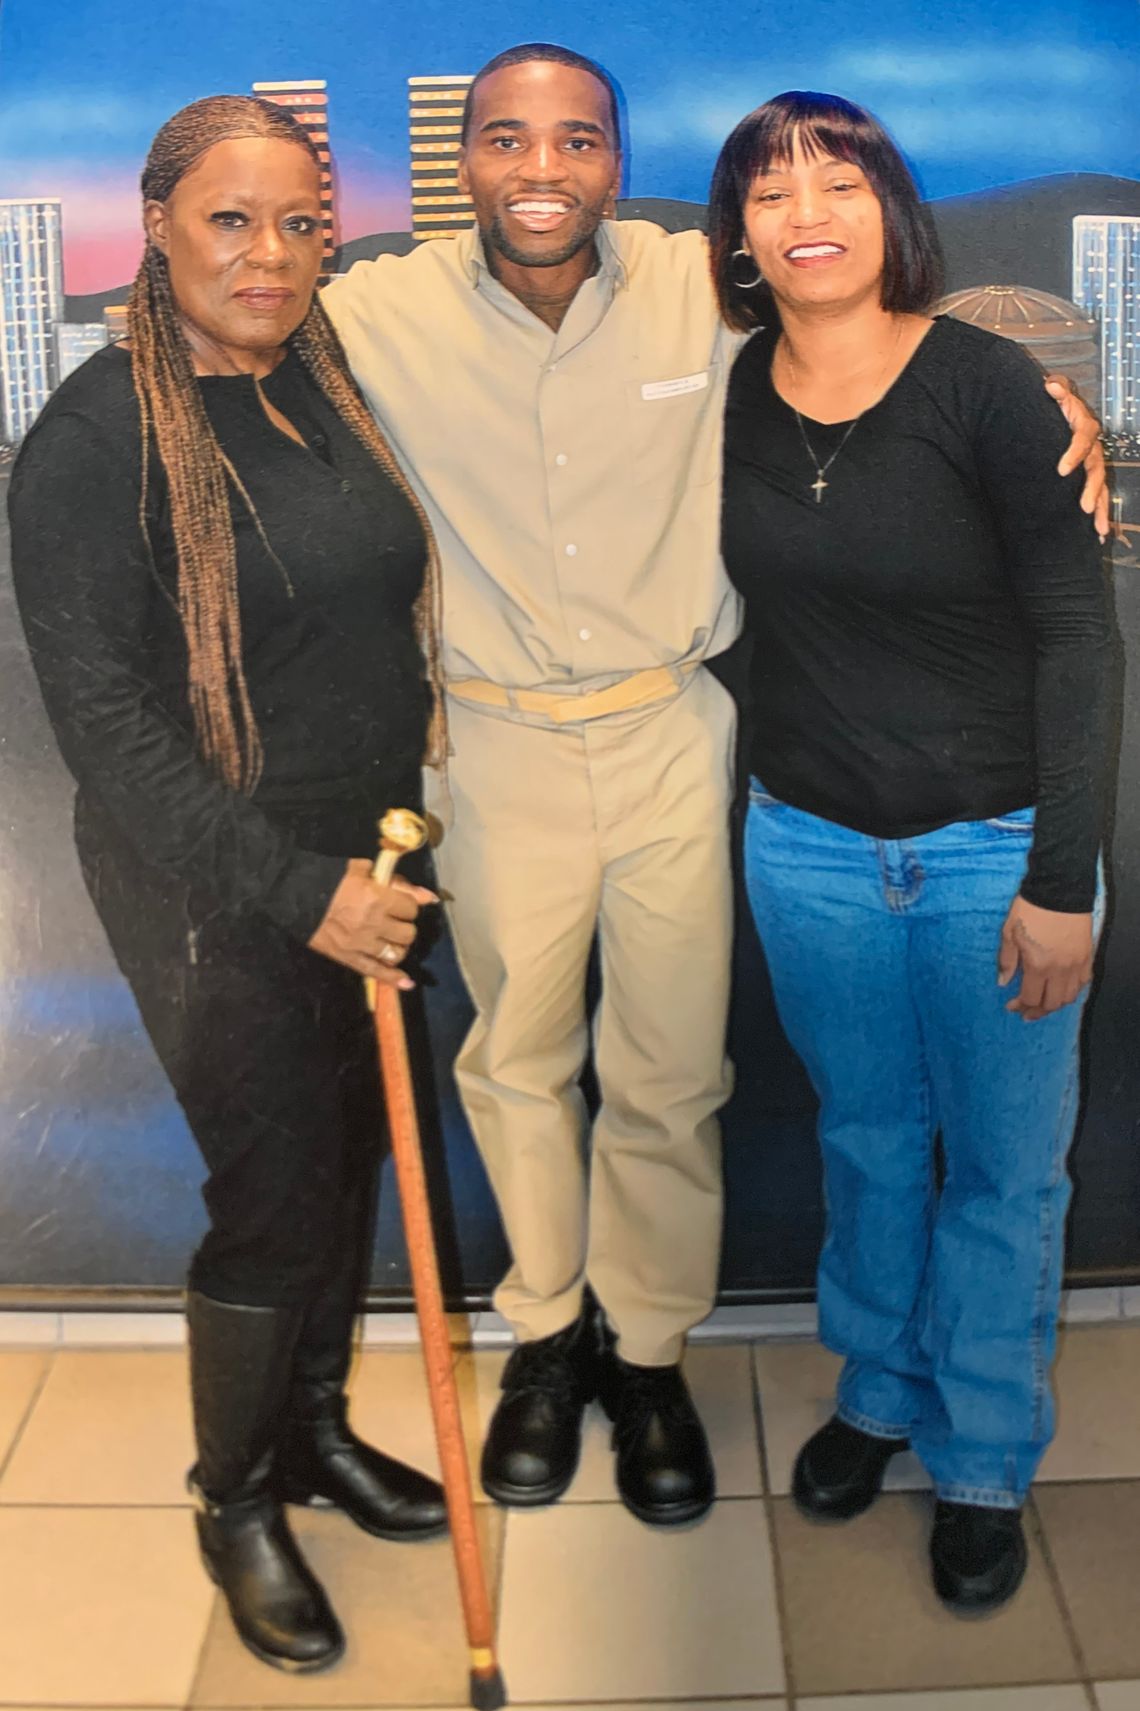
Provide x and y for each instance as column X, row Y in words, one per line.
column 1022, row 234
column 1018, row 234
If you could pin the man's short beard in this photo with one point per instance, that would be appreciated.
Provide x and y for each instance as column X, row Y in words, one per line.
column 584, row 233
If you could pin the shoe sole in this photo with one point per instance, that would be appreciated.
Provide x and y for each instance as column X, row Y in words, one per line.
column 287, row 1666
column 527, row 1496
column 833, row 1517
column 676, row 1515
column 394, row 1535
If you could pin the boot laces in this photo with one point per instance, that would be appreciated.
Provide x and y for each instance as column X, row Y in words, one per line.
column 649, row 1391
column 541, row 1366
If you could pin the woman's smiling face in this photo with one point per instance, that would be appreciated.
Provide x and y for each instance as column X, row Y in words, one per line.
column 814, row 227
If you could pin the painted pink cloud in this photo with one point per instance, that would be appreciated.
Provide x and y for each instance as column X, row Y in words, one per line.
column 101, row 231
column 370, row 199
column 102, row 238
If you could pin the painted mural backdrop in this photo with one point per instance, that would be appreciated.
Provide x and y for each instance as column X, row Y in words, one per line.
column 1023, row 127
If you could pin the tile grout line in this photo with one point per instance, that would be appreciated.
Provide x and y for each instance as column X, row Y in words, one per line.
column 778, row 1700
column 790, row 1691
column 200, row 1660
column 497, row 1606
column 17, row 1436
column 1067, row 1617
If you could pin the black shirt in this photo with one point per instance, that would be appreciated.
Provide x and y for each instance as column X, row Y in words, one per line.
column 334, row 673
column 931, row 637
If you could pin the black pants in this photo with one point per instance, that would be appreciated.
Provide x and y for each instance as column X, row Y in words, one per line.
column 270, row 1051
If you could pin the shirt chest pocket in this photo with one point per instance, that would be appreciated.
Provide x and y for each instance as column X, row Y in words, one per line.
column 675, row 429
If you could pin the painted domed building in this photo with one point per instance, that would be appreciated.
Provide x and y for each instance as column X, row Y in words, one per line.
column 1062, row 337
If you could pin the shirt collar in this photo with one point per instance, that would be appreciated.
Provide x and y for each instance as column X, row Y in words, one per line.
column 473, row 257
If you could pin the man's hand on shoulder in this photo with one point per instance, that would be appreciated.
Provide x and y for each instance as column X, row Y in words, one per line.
column 1084, row 448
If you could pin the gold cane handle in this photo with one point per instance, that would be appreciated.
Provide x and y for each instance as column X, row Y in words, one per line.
column 401, row 832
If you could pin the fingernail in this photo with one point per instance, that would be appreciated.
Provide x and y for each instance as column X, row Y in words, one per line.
column 405, row 984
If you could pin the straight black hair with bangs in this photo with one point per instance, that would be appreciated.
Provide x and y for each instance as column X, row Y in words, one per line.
column 838, row 130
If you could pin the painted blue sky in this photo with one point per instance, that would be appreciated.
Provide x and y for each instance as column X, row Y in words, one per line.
column 977, row 95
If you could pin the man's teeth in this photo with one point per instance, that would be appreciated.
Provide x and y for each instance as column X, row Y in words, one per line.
column 538, row 207
column 816, row 249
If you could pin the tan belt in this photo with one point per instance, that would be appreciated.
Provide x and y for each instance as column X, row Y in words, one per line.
column 639, row 690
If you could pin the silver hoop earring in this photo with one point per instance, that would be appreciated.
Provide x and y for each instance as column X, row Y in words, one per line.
column 751, row 284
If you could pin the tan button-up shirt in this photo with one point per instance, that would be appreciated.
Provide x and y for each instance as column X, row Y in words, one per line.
column 572, row 478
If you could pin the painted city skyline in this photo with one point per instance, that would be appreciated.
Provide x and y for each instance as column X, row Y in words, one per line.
column 78, row 107
column 976, row 96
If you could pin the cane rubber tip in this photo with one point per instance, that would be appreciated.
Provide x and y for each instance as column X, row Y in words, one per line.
column 402, row 830
column 488, row 1692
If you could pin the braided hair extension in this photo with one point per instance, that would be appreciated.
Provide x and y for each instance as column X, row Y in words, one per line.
column 199, row 473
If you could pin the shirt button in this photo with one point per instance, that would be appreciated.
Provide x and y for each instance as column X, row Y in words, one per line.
column 584, row 635
column 318, row 440
column 346, row 486
column 571, row 550
column 561, row 459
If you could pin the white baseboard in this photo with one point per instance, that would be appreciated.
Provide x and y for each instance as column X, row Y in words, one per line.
column 764, row 1322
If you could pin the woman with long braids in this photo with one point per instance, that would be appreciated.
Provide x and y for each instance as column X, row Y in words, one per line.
column 229, row 594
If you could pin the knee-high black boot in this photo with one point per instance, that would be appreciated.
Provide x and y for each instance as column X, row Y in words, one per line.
column 240, row 1364
column 320, row 1459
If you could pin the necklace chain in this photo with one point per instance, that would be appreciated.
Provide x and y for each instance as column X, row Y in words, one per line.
column 821, row 469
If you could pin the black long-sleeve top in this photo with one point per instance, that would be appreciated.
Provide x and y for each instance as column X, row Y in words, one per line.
column 334, row 673
column 932, row 636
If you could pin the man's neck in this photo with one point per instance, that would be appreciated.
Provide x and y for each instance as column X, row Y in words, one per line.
column 546, row 291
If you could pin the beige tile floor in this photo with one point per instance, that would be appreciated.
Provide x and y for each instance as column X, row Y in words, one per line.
column 103, row 1606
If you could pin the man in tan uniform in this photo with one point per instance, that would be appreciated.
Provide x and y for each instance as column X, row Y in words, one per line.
column 553, row 383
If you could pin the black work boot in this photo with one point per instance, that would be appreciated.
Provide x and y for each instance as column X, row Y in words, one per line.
column 978, row 1556
column 240, row 1361
column 664, row 1470
column 320, row 1460
column 535, row 1436
column 839, row 1472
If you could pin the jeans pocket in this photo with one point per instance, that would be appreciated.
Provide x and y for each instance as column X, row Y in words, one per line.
column 1016, row 820
column 759, row 797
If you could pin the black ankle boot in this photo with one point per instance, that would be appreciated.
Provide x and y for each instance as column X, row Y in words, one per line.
column 664, row 1470
column 240, row 1361
column 535, row 1436
column 320, row 1460
column 978, row 1556
column 839, row 1472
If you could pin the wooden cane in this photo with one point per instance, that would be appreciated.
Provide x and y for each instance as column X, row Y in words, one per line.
column 400, row 832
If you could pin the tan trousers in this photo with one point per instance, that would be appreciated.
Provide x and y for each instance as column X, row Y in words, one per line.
column 617, row 826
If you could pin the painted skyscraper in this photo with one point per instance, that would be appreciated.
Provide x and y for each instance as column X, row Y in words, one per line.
column 75, row 341
column 308, row 101
column 1106, row 283
column 31, row 302
column 435, row 111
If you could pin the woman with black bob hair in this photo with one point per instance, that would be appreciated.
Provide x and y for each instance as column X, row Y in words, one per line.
column 921, row 852
column 229, row 591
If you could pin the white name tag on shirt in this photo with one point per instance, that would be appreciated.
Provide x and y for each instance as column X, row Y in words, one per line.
column 673, row 388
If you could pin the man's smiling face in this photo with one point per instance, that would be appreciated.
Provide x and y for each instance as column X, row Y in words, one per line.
column 540, row 163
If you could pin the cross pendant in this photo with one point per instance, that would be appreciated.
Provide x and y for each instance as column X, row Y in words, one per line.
column 818, row 486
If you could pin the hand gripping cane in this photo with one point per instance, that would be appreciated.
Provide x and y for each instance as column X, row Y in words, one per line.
column 400, row 832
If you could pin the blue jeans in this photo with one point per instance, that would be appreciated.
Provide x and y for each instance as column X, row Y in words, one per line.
column 883, row 957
